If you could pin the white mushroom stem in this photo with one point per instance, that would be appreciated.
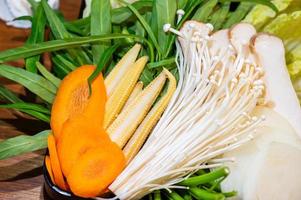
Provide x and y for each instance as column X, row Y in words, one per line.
column 208, row 115
column 271, row 56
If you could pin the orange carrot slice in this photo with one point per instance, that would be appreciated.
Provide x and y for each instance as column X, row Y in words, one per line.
column 55, row 164
column 77, row 137
column 49, row 169
column 73, row 99
column 96, row 170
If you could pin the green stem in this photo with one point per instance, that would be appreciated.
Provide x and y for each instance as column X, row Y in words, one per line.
column 203, row 194
column 206, row 178
column 174, row 196
column 230, row 194
column 157, row 195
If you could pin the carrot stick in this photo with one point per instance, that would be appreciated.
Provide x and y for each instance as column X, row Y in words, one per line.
column 49, row 169
column 55, row 164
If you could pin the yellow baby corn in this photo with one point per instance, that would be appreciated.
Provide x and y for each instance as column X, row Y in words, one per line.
column 136, row 91
column 144, row 129
column 123, row 90
column 126, row 123
column 117, row 73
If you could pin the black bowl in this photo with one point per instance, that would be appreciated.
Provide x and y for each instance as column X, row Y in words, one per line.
column 54, row 192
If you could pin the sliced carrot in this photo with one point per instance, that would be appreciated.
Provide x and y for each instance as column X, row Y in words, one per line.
column 77, row 136
column 49, row 169
column 73, row 99
column 55, row 164
column 96, row 170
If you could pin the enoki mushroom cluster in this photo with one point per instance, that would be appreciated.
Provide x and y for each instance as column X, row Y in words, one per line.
column 219, row 85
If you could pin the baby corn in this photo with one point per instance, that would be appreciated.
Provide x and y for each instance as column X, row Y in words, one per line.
column 121, row 68
column 144, row 129
column 126, row 123
column 136, row 91
column 123, row 90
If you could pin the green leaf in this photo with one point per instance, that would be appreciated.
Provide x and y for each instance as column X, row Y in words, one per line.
column 49, row 76
column 123, row 14
column 165, row 11
column 37, row 35
column 33, row 4
column 7, row 95
column 63, row 60
column 82, row 22
column 204, row 11
column 241, row 11
column 161, row 63
column 60, row 32
column 262, row 2
column 23, row 144
column 219, row 16
column 127, row 40
column 26, row 106
column 104, row 59
column 57, row 27
column 41, row 116
column 56, row 45
column 139, row 30
column 146, row 27
column 147, row 76
column 33, row 82
column 25, row 17
column 74, row 29
column 100, row 25
column 182, row 4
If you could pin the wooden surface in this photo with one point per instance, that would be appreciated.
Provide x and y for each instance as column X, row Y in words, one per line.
column 21, row 176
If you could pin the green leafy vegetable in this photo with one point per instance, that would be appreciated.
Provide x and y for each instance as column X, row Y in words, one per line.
column 204, row 11
column 263, row 2
column 120, row 15
column 55, row 45
column 161, row 63
column 102, row 63
column 41, row 116
column 37, row 35
column 33, row 82
column 59, row 31
column 7, row 95
column 239, row 14
column 27, row 106
column 49, row 76
column 164, row 12
column 26, row 18
column 147, row 29
column 218, row 17
column 100, row 24
column 64, row 61
column 23, row 144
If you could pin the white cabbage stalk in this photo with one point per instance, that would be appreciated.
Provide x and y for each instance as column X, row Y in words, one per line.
column 209, row 115
column 11, row 9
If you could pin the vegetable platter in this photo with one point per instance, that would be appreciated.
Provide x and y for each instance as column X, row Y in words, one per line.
column 163, row 99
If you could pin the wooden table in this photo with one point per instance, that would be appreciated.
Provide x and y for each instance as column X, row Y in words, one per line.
column 21, row 176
